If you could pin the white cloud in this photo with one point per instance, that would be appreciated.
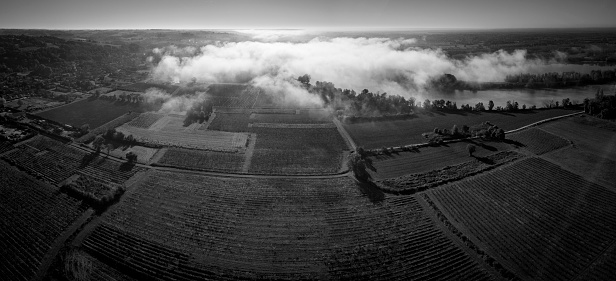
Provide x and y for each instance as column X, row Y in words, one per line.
column 395, row 66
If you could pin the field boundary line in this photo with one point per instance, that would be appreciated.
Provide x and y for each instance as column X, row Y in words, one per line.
column 169, row 168
column 596, row 260
column 349, row 141
column 543, row 121
column 161, row 167
column 59, row 242
column 458, row 241
column 470, row 241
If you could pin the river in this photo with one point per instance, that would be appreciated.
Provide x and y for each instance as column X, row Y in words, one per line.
column 523, row 96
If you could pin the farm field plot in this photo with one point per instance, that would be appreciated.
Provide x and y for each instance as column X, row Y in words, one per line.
column 33, row 216
column 297, row 151
column 33, row 103
column 55, row 162
column 230, row 122
column 145, row 120
column 144, row 154
column 597, row 139
column 376, row 134
column 299, row 139
column 190, row 227
column 302, row 118
column 109, row 171
column 98, row 271
column 592, row 167
column 429, row 158
column 315, row 161
column 197, row 139
column 91, row 112
column 142, row 87
column 203, row 160
column 538, row 141
column 603, row 268
column 109, row 125
column 593, row 153
column 545, row 222
column 5, row 146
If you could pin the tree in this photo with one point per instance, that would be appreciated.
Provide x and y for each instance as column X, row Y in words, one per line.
column 455, row 131
column 359, row 163
column 471, row 148
column 426, row 104
column 119, row 136
column 500, row 134
column 131, row 157
column 109, row 148
column 85, row 128
column 98, row 143
column 490, row 105
column 587, row 105
column 509, row 106
column 304, row 79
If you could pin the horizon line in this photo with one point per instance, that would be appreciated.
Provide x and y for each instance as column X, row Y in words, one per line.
column 319, row 28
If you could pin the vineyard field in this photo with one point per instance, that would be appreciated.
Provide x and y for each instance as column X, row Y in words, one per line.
column 297, row 151
column 190, row 227
column 411, row 183
column 430, row 158
column 33, row 215
column 315, row 161
column 299, row 139
column 122, row 119
column 537, row 140
column 376, row 134
column 549, row 223
column 144, row 154
column 145, row 120
column 306, row 117
column 54, row 161
column 203, row 160
column 597, row 139
column 230, row 122
column 196, row 139
column 92, row 112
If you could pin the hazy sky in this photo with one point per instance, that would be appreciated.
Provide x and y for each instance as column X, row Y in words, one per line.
column 319, row 14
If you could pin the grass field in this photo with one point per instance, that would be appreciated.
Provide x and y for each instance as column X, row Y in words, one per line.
column 179, row 226
column 376, row 134
column 543, row 222
column 94, row 113
column 429, row 158
column 33, row 215
column 203, row 160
